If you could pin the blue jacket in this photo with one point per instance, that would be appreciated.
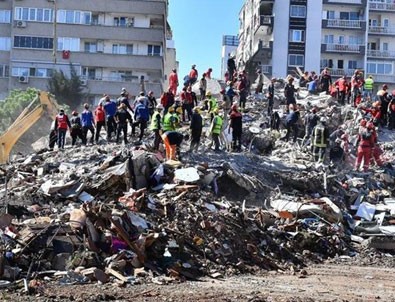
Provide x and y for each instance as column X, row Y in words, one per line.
column 87, row 118
column 110, row 108
column 141, row 113
column 292, row 118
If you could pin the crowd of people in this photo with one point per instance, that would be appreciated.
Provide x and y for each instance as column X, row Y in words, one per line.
column 179, row 114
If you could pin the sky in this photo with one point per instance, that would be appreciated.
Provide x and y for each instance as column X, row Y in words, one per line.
column 198, row 27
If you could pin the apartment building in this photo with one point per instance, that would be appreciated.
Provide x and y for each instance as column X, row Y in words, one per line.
column 279, row 35
column 229, row 48
column 110, row 43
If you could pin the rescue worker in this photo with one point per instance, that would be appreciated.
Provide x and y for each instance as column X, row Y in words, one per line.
column 270, row 96
column 173, row 81
column 172, row 141
column 289, row 92
column 122, row 117
column 167, row 99
column 376, row 150
column 368, row 88
column 124, row 99
column 53, row 136
column 356, row 86
column 319, row 139
column 87, row 122
column 341, row 85
column 310, row 121
column 375, row 111
column 110, row 108
column 230, row 92
column 391, row 112
column 325, row 81
column 141, row 117
column 170, row 120
column 291, row 122
column 231, row 65
column 62, row 123
column 259, row 81
column 216, row 129
column 203, row 87
column 151, row 102
column 242, row 88
column 236, row 124
column 156, row 125
column 208, row 73
column 196, row 127
column 186, row 101
column 100, row 118
column 76, row 129
column 385, row 99
column 193, row 75
column 365, row 143
column 212, row 104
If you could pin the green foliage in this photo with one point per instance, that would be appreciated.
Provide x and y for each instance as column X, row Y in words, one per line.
column 67, row 91
column 14, row 104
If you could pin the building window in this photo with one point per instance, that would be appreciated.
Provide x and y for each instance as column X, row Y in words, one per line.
column 90, row 47
column 349, row 16
column 4, row 71
column 154, row 50
column 385, row 46
column 296, row 35
column 33, row 14
column 122, row 49
column 5, row 43
column 120, row 21
column 379, row 68
column 352, row 64
column 72, row 44
column 5, row 16
column 298, row 11
column 33, row 42
column 296, row 60
column 74, row 17
column 20, row 71
column 328, row 39
column 354, row 40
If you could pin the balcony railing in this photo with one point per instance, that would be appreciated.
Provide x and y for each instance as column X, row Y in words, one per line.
column 266, row 69
column 382, row 6
column 340, row 72
column 381, row 54
column 343, row 47
column 345, row 1
column 344, row 23
column 382, row 78
column 381, row 30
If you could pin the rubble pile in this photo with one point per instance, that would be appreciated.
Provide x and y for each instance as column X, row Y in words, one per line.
column 122, row 214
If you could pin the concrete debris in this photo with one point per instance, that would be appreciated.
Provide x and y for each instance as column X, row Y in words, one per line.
column 124, row 215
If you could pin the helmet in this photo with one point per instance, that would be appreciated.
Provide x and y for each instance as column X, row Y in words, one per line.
column 196, row 109
column 179, row 110
column 74, row 113
column 208, row 93
column 171, row 109
column 362, row 123
column 159, row 106
column 323, row 119
column 216, row 110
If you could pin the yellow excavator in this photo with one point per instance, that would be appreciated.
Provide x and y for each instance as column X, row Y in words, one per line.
column 29, row 116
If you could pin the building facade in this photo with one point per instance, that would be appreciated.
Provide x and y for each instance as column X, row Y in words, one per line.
column 279, row 35
column 229, row 48
column 110, row 43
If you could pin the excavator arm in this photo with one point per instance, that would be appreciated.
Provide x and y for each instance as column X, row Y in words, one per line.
column 24, row 121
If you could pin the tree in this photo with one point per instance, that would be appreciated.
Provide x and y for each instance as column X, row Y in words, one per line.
column 67, row 91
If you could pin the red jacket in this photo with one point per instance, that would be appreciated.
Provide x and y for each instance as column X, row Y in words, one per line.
column 100, row 115
column 341, row 84
column 62, row 122
column 186, row 97
column 173, row 79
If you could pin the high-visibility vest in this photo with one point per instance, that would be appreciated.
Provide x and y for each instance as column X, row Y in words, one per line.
column 154, row 121
column 319, row 136
column 167, row 122
column 213, row 104
column 217, row 124
column 62, row 121
column 369, row 84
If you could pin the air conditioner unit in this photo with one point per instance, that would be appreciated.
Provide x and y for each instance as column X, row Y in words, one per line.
column 21, row 24
column 23, row 79
column 84, row 82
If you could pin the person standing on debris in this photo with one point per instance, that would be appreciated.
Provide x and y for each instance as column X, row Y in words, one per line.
column 319, row 139
column 186, row 100
column 310, row 121
column 216, row 129
column 170, row 120
column 259, row 81
column 384, row 98
column 375, row 111
column 100, row 118
column 312, row 86
column 172, row 141
column 289, row 92
column 167, row 99
column 124, row 99
column 291, row 122
column 156, row 125
column 391, row 112
column 325, row 81
column 236, row 123
column 242, row 90
column 122, row 117
column 87, row 122
column 193, row 75
column 173, row 81
column 376, row 150
column 53, row 136
column 230, row 92
column 151, row 102
column 62, row 123
column 208, row 73
column 141, row 117
column 270, row 96
column 76, row 129
column 341, row 85
column 110, row 108
column 196, row 127
column 336, row 153
column 212, row 104
column 356, row 86
column 368, row 88
column 365, row 144
column 304, row 79
column 231, row 64
column 203, row 87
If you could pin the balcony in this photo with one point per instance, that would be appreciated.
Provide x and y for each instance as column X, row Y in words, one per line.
column 337, row 72
column 374, row 6
column 382, row 78
column 381, row 30
column 263, row 20
column 111, row 86
column 343, row 48
column 356, row 2
column 381, row 54
column 346, row 24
